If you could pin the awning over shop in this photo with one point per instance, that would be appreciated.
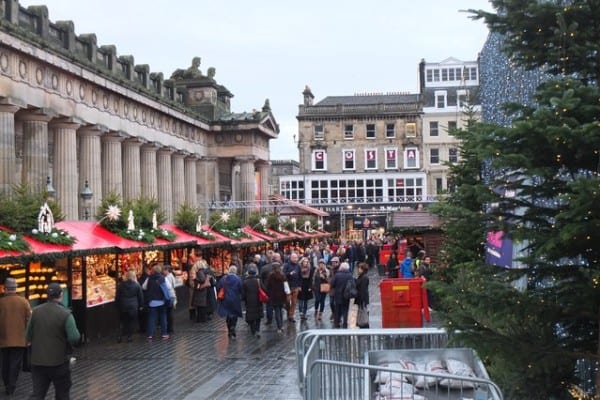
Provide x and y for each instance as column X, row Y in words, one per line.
column 290, row 207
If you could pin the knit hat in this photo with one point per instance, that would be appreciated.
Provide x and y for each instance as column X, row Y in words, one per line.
column 54, row 290
column 10, row 284
column 335, row 259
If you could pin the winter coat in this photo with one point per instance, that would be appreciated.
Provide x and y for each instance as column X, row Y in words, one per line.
column 292, row 274
column 338, row 283
column 406, row 268
column 157, row 291
column 362, row 288
column 231, row 306
column 211, row 296
column 277, row 296
column 129, row 296
column 199, row 297
column 320, row 276
column 254, row 308
column 306, row 290
column 14, row 314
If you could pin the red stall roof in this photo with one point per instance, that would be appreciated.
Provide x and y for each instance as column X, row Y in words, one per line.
column 261, row 235
column 183, row 236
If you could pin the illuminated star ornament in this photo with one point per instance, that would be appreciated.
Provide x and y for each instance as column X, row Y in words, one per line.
column 113, row 213
column 263, row 221
column 225, row 217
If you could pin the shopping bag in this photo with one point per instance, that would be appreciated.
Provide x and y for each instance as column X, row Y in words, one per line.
column 262, row 295
column 362, row 317
column 286, row 287
column 324, row 287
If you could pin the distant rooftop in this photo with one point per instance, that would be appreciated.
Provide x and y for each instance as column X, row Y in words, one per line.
column 370, row 99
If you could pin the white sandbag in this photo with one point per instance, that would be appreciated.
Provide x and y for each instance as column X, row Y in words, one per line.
column 458, row 368
column 422, row 381
column 386, row 376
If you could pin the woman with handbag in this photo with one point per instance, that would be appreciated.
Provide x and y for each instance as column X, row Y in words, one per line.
column 230, row 307
column 254, row 308
column 320, row 288
column 362, row 297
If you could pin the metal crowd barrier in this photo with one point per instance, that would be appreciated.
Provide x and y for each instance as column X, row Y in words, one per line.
column 353, row 381
column 324, row 346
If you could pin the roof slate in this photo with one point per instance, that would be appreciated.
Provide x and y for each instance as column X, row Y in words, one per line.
column 373, row 99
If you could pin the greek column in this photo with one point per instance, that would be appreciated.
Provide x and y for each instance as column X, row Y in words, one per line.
column 132, row 181
column 8, row 158
column 178, row 180
column 35, row 147
column 263, row 171
column 247, row 184
column 165, row 185
column 207, row 171
column 149, row 174
column 112, row 171
column 65, row 166
column 90, row 163
column 191, row 197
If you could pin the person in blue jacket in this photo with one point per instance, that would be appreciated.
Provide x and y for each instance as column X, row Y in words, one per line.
column 231, row 307
column 406, row 268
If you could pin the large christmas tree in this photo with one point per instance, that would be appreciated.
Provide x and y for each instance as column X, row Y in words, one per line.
column 542, row 190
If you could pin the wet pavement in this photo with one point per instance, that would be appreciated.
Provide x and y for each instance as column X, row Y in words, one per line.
column 198, row 362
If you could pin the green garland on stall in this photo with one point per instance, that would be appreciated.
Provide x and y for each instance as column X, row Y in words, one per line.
column 12, row 242
column 56, row 236
column 236, row 233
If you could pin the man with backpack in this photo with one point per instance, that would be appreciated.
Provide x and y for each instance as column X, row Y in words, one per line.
column 343, row 282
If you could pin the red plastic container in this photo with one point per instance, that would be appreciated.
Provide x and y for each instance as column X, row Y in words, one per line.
column 403, row 303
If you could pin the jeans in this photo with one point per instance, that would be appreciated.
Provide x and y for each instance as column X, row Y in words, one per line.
column 128, row 321
column 269, row 312
column 320, row 301
column 12, row 359
column 42, row 376
column 153, row 313
column 254, row 326
column 303, row 307
column 278, row 313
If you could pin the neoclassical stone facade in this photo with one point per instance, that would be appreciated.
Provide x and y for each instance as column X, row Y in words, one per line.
column 76, row 112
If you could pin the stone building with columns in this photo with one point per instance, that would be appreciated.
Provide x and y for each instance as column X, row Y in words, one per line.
column 77, row 112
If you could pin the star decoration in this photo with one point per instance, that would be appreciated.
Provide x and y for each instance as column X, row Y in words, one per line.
column 113, row 213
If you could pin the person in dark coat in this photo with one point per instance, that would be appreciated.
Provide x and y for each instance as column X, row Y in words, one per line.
column 199, row 297
column 306, row 292
column 277, row 295
column 320, row 275
column 157, row 300
column 211, row 296
column 392, row 265
column 130, row 301
column 362, row 288
column 338, row 283
column 254, row 308
column 231, row 307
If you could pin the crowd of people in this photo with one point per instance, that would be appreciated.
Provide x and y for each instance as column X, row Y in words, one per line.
column 268, row 286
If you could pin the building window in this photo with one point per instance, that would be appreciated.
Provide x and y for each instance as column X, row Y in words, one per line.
column 348, row 160
column 411, row 158
column 391, row 158
column 405, row 190
column 453, row 155
column 411, row 129
column 370, row 158
column 390, row 131
column 440, row 99
column 451, row 127
column 436, row 75
column 348, row 131
column 451, row 74
column 433, row 128
column 439, row 185
column 319, row 132
column 319, row 160
column 370, row 131
column 434, row 156
column 462, row 97
column 429, row 75
column 444, row 75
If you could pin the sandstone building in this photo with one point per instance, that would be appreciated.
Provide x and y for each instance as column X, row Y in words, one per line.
column 73, row 112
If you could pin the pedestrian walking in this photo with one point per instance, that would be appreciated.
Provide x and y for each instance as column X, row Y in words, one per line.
column 277, row 295
column 291, row 269
column 130, row 301
column 230, row 307
column 362, row 297
column 199, row 295
column 320, row 288
column 172, row 304
column 157, row 300
column 52, row 332
column 14, row 315
column 254, row 308
column 338, row 283
column 306, row 286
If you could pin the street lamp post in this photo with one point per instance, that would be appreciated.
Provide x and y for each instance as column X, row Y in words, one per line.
column 50, row 191
column 86, row 195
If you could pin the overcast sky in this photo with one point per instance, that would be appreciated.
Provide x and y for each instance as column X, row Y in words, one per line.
column 273, row 48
